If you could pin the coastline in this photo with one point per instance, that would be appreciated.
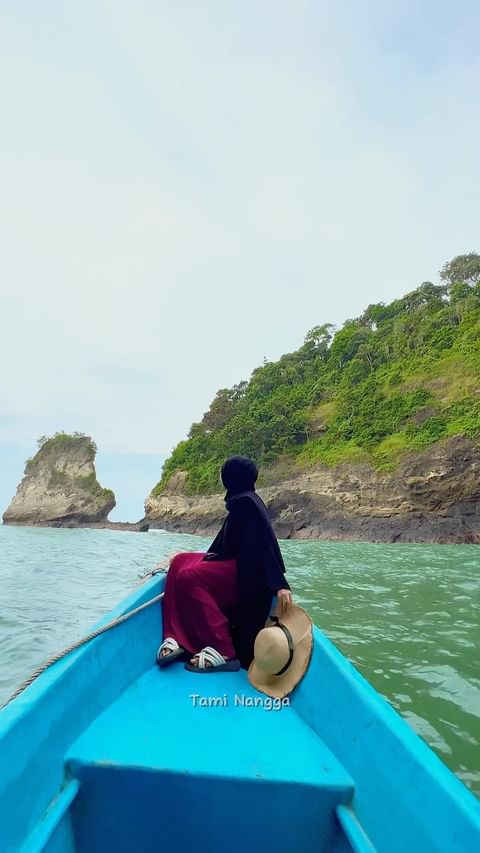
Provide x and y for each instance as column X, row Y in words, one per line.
column 428, row 497
column 420, row 531
column 423, row 532
column 133, row 526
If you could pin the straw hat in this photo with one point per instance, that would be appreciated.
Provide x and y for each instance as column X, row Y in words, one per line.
column 282, row 653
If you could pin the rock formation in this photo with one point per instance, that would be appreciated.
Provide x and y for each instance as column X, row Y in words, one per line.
column 432, row 496
column 60, row 486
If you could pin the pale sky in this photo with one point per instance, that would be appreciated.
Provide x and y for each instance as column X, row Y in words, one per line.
column 188, row 187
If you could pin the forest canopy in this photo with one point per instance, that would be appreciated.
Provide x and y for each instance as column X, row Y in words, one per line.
column 398, row 378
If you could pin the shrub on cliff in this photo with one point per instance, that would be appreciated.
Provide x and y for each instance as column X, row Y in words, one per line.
column 65, row 438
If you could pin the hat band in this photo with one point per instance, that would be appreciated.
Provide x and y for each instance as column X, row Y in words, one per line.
column 289, row 637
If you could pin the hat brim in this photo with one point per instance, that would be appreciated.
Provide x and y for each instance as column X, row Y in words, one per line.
column 279, row 686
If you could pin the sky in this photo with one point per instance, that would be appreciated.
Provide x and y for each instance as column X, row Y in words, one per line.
column 188, row 188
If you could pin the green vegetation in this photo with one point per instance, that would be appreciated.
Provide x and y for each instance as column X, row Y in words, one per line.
column 90, row 484
column 65, row 438
column 396, row 379
column 49, row 448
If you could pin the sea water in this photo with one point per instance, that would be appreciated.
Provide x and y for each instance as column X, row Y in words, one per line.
column 408, row 616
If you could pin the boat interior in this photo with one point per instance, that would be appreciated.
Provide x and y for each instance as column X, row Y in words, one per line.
column 105, row 750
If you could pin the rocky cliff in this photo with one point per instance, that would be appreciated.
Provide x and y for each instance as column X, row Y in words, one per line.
column 432, row 496
column 60, row 486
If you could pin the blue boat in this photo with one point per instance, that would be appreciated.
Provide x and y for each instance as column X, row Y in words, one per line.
column 105, row 751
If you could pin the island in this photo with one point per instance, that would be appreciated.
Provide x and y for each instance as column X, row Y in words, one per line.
column 367, row 432
column 60, row 487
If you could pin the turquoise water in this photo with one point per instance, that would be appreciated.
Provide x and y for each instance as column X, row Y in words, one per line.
column 408, row 616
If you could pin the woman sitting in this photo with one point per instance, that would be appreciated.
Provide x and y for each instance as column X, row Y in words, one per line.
column 216, row 602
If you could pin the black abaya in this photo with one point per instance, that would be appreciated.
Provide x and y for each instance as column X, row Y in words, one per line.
column 247, row 536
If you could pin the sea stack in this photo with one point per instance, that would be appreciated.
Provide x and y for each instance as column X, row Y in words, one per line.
column 60, row 486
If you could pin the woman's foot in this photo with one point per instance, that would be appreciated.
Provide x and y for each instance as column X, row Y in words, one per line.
column 165, row 653
column 210, row 660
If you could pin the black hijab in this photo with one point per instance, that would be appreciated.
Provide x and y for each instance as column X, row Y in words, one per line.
column 247, row 536
column 239, row 475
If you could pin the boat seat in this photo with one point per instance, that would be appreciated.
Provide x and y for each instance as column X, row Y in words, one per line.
column 162, row 752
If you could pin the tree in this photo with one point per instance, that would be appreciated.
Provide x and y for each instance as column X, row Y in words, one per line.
column 464, row 268
column 223, row 407
column 378, row 313
column 346, row 343
column 427, row 295
column 459, row 290
column 318, row 339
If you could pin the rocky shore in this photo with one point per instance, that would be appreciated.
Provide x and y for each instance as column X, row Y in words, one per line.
column 431, row 497
column 132, row 526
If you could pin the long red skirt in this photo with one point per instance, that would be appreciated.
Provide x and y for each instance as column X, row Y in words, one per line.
column 199, row 599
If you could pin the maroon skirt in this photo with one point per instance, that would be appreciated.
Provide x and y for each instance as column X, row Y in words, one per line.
column 200, row 596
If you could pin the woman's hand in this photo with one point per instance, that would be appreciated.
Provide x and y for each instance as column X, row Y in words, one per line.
column 284, row 600
column 165, row 563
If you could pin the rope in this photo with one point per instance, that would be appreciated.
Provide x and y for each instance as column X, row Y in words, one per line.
column 160, row 569
column 113, row 624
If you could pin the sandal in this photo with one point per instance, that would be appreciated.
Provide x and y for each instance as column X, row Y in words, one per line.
column 209, row 660
column 175, row 652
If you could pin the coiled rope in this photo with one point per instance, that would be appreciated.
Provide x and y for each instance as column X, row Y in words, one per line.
column 102, row 630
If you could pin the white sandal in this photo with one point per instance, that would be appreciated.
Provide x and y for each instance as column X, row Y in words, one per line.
column 175, row 652
column 209, row 660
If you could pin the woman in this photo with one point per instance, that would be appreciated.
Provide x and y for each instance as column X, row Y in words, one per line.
column 216, row 603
